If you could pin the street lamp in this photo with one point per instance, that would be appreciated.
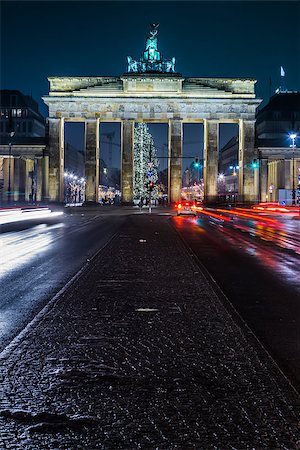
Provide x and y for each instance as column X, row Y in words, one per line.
column 293, row 138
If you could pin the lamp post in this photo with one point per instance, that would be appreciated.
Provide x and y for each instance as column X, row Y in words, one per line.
column 293, row 138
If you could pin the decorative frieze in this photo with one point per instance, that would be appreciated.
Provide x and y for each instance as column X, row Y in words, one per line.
column 214, row 109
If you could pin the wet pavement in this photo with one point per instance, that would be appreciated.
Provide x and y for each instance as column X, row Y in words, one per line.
column 139, row 352
column 38, row 257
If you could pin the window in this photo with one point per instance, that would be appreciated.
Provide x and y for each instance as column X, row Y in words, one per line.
column 24, row 112
column 13, row 112
column 4, row 113
column 19, row 112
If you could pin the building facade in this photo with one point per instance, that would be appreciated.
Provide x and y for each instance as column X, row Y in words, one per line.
column 22, row 147
column 279, row 159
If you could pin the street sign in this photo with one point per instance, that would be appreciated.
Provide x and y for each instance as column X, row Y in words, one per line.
column 149, row 173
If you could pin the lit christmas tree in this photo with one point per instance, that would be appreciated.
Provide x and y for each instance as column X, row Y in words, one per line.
column 145, row 163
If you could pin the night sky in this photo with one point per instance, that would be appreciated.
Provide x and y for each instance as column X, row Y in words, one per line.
column 208, row 39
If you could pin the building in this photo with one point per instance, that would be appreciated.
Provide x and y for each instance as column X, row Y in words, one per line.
column 20, row 113
column 279, row 162
column 273, row 160
column 22, row 148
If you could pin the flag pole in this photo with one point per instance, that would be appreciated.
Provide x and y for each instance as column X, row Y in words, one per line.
column 282, row 75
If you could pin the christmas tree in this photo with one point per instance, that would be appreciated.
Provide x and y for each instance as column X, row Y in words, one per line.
column 145, row 163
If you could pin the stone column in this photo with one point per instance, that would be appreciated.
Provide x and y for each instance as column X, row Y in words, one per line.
column 247, row 191
column 8, row 163
column 127, row 143
column 45, row 178
column 56, row 160
column 175, row 160
column 29, row 170
column 263, row 195
column 288, row 170
column 210, row 166
column 91, row 160
column 19, row 180
column 39, row 176
column 272, row 180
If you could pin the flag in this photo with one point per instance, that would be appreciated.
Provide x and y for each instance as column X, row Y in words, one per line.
column 282, row 72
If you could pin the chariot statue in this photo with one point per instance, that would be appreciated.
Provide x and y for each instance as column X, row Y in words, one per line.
column 151, row 59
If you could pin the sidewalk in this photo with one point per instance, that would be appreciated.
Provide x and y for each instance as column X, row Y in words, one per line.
column 140, row 354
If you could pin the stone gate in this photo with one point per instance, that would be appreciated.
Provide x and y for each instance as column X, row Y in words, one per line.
column 151, row 92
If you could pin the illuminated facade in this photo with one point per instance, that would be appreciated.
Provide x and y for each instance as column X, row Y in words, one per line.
column 279, row 171
column 151, row 96
column 22, row 145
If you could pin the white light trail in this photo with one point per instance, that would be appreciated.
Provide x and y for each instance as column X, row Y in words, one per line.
column 18, row 215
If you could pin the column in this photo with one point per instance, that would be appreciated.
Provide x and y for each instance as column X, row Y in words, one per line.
column 127, row 143
column 19, row 180
column 39, row 170
column 263, row 174
column 175, row 160
column 45, row 178
column 210, row 166
column 247, row 191
column 288, row 170
column 91, row 160
column 29, row 173
column 8, row 178
column 56, row 160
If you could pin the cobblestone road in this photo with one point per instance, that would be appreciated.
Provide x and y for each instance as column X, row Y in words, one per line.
column 140, row 354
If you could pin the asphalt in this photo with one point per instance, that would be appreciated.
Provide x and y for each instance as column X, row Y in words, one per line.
column 139, row 352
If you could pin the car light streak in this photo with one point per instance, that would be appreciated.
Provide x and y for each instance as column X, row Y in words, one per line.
column 249, row 216
column 215, row 215
column 20, row 247
column 18, row 215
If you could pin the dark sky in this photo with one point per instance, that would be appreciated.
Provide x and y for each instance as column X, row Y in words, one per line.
column 209, row 39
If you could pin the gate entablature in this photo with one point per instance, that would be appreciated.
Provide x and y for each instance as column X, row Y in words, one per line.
column 154, row 97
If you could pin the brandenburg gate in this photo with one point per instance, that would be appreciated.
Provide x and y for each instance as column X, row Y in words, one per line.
column 150, row 91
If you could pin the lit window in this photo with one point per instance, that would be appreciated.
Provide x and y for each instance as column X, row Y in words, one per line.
column 13, row 112
column 19, row 112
